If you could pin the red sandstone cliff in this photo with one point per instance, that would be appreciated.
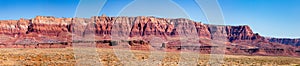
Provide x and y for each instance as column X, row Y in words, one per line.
column 51, row 32
column 287, row 41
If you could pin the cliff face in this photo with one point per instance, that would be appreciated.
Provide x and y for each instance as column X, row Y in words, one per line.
column 122, row 26
column 14, row 27
column 241, row 33
column 292, row 42
column 49, row 25
column 60, row 32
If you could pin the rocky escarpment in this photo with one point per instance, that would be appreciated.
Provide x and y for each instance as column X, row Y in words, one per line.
column 138, row 32
column 292, row 42
column 14, row 27
column 128, row 26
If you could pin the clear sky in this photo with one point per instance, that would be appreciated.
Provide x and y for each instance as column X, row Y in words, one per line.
column 272, row 18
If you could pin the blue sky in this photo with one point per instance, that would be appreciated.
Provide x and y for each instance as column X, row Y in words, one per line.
column 274, row 18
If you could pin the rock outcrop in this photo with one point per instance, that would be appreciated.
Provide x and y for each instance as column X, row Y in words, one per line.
column 139, row 32
column 49, row 25
column 287, row 41
column 14, row 27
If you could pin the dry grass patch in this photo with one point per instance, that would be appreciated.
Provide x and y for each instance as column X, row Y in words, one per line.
column 108, row 57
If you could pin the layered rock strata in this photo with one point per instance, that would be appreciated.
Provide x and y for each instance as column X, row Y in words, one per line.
column 140, row 33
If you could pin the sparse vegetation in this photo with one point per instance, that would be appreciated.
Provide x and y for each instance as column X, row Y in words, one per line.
column 107, row 57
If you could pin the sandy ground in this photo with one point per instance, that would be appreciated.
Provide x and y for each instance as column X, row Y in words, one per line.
column 110, row 57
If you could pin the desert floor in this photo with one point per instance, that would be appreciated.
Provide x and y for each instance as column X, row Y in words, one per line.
column 110, row 57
